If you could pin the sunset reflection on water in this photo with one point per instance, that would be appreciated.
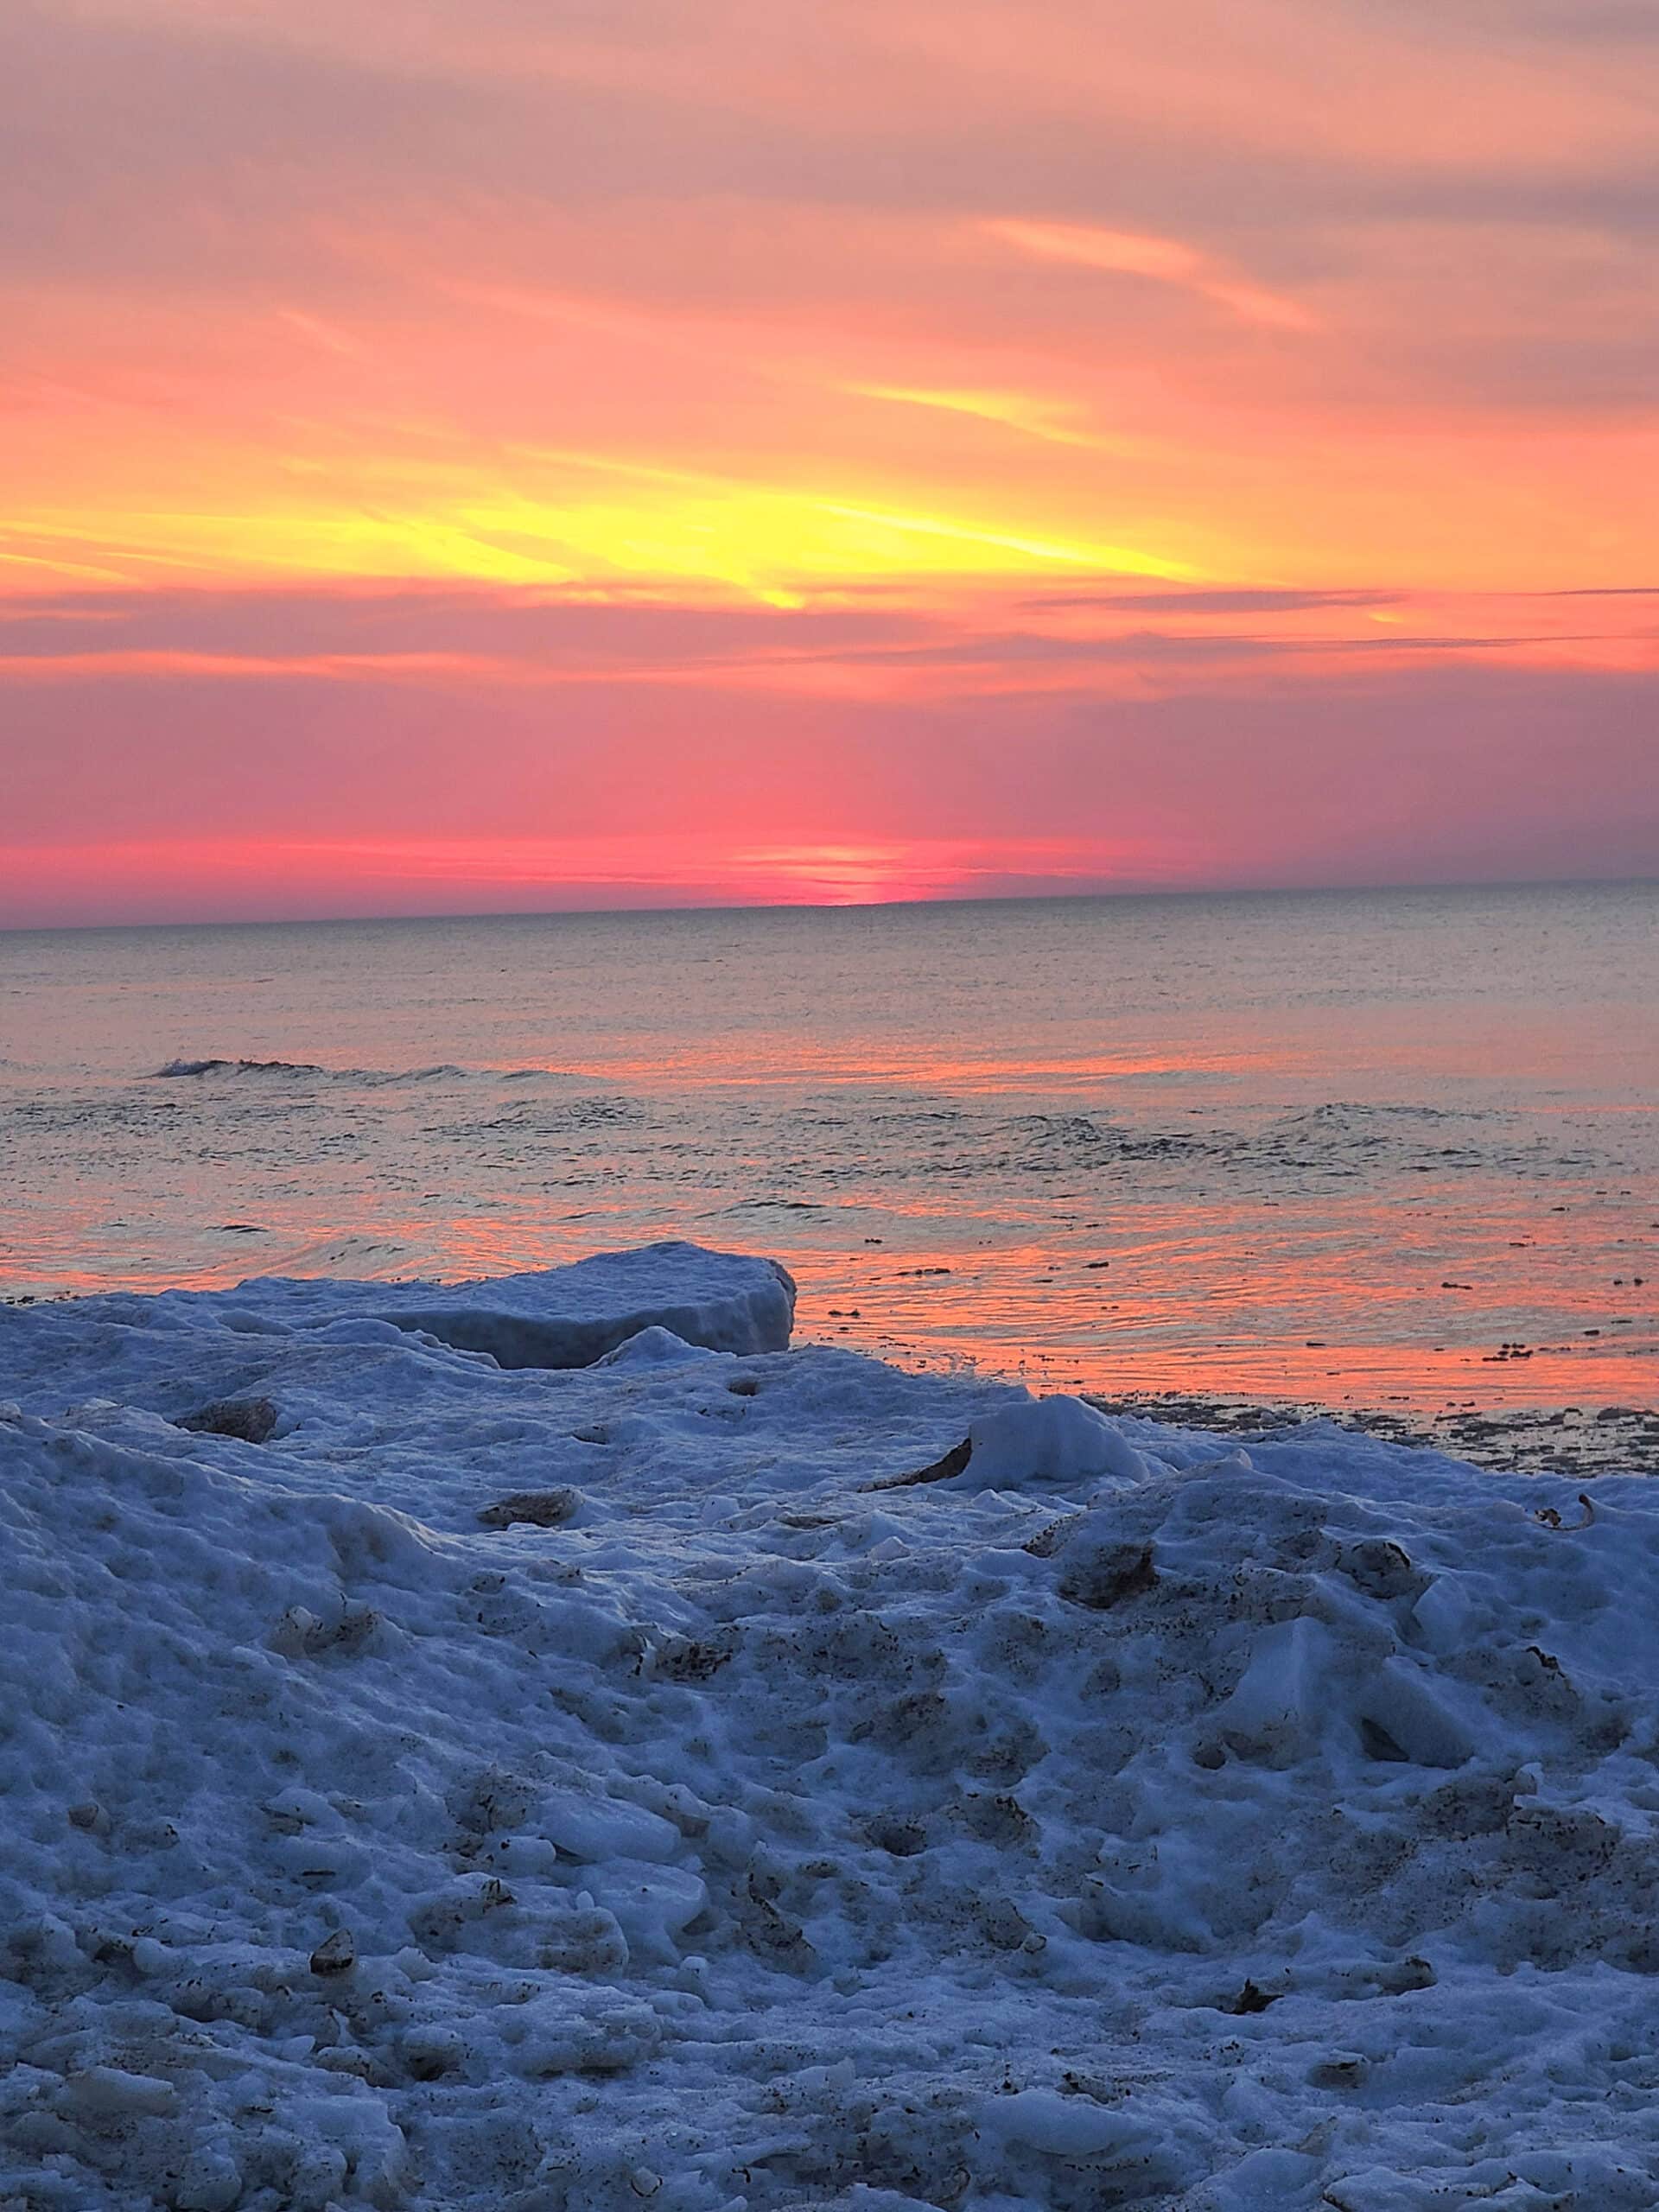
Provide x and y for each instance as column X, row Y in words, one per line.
column 1345, row 1150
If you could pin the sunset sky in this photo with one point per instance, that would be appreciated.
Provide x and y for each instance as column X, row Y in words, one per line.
column 470, row 453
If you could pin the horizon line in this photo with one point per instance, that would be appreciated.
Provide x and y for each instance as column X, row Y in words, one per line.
column 839, row 905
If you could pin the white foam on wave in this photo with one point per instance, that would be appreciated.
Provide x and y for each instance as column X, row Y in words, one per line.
column 309, row 1070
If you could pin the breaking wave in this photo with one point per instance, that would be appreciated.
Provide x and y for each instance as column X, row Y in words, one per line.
column 313, row 1071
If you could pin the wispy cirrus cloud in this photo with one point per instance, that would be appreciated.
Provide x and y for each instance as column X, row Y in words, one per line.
column 1053, row 421
column 1162, row 261
column 1198, row 599
column 502, row 639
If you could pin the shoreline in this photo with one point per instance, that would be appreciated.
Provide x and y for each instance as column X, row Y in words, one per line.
column 1576, row 1441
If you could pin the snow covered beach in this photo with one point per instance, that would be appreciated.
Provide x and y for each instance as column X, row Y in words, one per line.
column 729, row 1777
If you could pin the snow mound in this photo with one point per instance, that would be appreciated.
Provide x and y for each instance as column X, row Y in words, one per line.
column 560, row 1316
column 1049, row 1439
column 556, row 1788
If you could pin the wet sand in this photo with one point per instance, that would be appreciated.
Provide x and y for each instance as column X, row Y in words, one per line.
column 1582, row 1440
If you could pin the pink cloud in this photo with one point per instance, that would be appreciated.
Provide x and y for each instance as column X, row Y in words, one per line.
column 948, row 443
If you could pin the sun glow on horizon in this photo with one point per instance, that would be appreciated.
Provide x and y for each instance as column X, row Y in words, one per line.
column 174, row 879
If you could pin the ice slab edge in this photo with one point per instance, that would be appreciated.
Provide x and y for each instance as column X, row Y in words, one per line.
column 554, row 1318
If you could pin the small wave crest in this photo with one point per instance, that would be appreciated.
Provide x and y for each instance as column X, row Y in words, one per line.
column 363, row 1079
column 240, row 1067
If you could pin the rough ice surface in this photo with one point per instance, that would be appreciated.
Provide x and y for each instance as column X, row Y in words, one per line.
column 1121, row 1821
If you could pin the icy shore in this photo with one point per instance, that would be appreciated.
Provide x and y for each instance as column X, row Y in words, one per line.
column 736, row 1777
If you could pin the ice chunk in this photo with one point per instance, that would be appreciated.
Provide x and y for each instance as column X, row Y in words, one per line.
column 1442, row 1614
column 558, row 1317
column 1064, row 2127
column 595, row 1828
column 1051, row 1440
column 653, row 1347
column 652, row 1903
column 111, row 2092
column 1280, row 1704
column 1402, row 1712
column 570, row 1316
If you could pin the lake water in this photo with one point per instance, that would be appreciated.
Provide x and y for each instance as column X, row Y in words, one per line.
column 1357, row 1147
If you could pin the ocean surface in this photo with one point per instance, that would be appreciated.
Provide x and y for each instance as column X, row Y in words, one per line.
column 1362, row 1149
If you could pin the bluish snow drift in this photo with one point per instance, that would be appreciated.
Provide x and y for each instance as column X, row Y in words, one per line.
column 514, row 1786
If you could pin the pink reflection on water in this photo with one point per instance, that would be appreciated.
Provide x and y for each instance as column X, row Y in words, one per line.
column 1454, row 1293
column 1360, row 1158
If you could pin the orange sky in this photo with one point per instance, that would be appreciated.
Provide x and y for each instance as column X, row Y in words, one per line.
column 508, row 453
